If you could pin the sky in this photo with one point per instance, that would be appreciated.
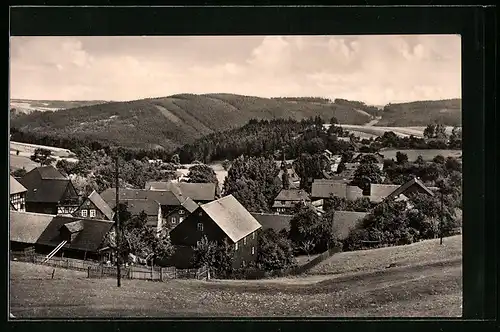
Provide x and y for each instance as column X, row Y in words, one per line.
column 375, row 69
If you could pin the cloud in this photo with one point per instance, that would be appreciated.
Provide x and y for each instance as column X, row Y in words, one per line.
column 373, row 69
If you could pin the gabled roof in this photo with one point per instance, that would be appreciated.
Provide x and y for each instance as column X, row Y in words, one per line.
column 295, row 195
column 89, row 239
column 45, row 185
column 378, row 192
column 274, row 221
column 163, row 197
column 190, row 205
column 232, row 218
column 344, row 221
column 136, row 206
column 101, row 204
column 292, row 175
column 415, row 181
column 196, row 191
column 27, row 227
column 50, row 173
column 15, row 186
column 324, row 188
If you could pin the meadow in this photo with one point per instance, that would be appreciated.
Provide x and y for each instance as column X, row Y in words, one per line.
column 427, row 154
column 428, row 285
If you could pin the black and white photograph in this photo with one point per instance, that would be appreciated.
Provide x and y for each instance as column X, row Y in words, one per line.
column 235, row 176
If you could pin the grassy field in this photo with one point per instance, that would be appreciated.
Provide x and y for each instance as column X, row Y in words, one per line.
column 427, row 154
column 432, row 288
column 18, row 162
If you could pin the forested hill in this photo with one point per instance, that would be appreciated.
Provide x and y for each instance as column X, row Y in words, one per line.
column 176, row 120
column 173, row 121
column 421, row 113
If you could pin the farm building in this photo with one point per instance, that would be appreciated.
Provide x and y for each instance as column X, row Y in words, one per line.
column 222, row 220
column 151, row 208
column 293, row 178
column 287, row 199
column 277, row 222
column 43, row 232
column 48, row 191
column 17, row 195
column 198, row 192
column 85, row 238
column 173, row 205
column 412, row 186
column 26, row 228
column 94, row 207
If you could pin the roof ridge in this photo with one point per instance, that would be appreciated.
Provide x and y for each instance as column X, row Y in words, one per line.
column 33, row 213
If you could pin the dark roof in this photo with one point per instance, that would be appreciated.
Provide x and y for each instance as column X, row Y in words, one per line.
column 402, row 189
column 325, row 188
column 45, row 191
column 90, row 238
column 232, row 218
column 50, row 173
column 136, row 206
column 26, row 227
column 292, row 195
column 344, row 221
column 101, row 204
column 15, row 186
column 163, row 197
column 274, row 221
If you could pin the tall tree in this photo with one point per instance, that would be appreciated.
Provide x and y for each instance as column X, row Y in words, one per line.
column 202, row 174
column 401, row 158
column 42, row 156
column 365, row 175
column 275, row 251
column 310, row 167
column 430, row 131
column 285, row 179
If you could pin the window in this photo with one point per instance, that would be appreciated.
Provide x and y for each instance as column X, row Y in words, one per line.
column 173, row 220
column 181, row 212
column 200, row 227
column 244, row 241
column 253, row 250
column 84, row 213
column 180, row 219
column 92, row 213
column 253, row 236
column 236, row 246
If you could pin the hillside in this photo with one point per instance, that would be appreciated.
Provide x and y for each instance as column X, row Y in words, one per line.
column 426, row 283
column 173, row 121
column 421, row 113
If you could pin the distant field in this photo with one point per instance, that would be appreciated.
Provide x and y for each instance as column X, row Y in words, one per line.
column 27, row 106
column 426, row 154
column 18, row 162
column 428, row 289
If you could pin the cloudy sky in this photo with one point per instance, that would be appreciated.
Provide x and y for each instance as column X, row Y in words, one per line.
column 373, row 69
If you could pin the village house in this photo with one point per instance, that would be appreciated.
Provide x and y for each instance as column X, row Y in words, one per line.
column 287, row 199
column 151, row 208
column 94, row 207
column 179, row 213
column 278, row 222
column 201, row 193
column 48, row 191
column 222, row 220
column 17, row 195
column 324, row 189
column 79, row 238
column 345, row 221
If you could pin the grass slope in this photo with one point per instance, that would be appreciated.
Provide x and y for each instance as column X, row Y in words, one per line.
column 421, row 113
column 429, row 289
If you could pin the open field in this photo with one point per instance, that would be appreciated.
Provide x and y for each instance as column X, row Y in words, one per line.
column 427, row 154
column 429, row 289
column 18, row 162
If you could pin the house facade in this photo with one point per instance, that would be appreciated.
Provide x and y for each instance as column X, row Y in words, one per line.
column 178, row 214
column 17, row 195
column 222, row 220
column 48, row 191
column 94, row 207
column 287, row 199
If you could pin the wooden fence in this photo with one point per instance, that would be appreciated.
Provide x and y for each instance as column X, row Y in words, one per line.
column 56, row 261
column 146, row 273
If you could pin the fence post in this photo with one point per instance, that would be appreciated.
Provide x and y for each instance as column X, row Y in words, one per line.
column 88, row 272
column 161, row 274
column 102, row 271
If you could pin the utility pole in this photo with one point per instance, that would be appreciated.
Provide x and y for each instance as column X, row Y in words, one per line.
column 441, row 228
column 118, row 229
